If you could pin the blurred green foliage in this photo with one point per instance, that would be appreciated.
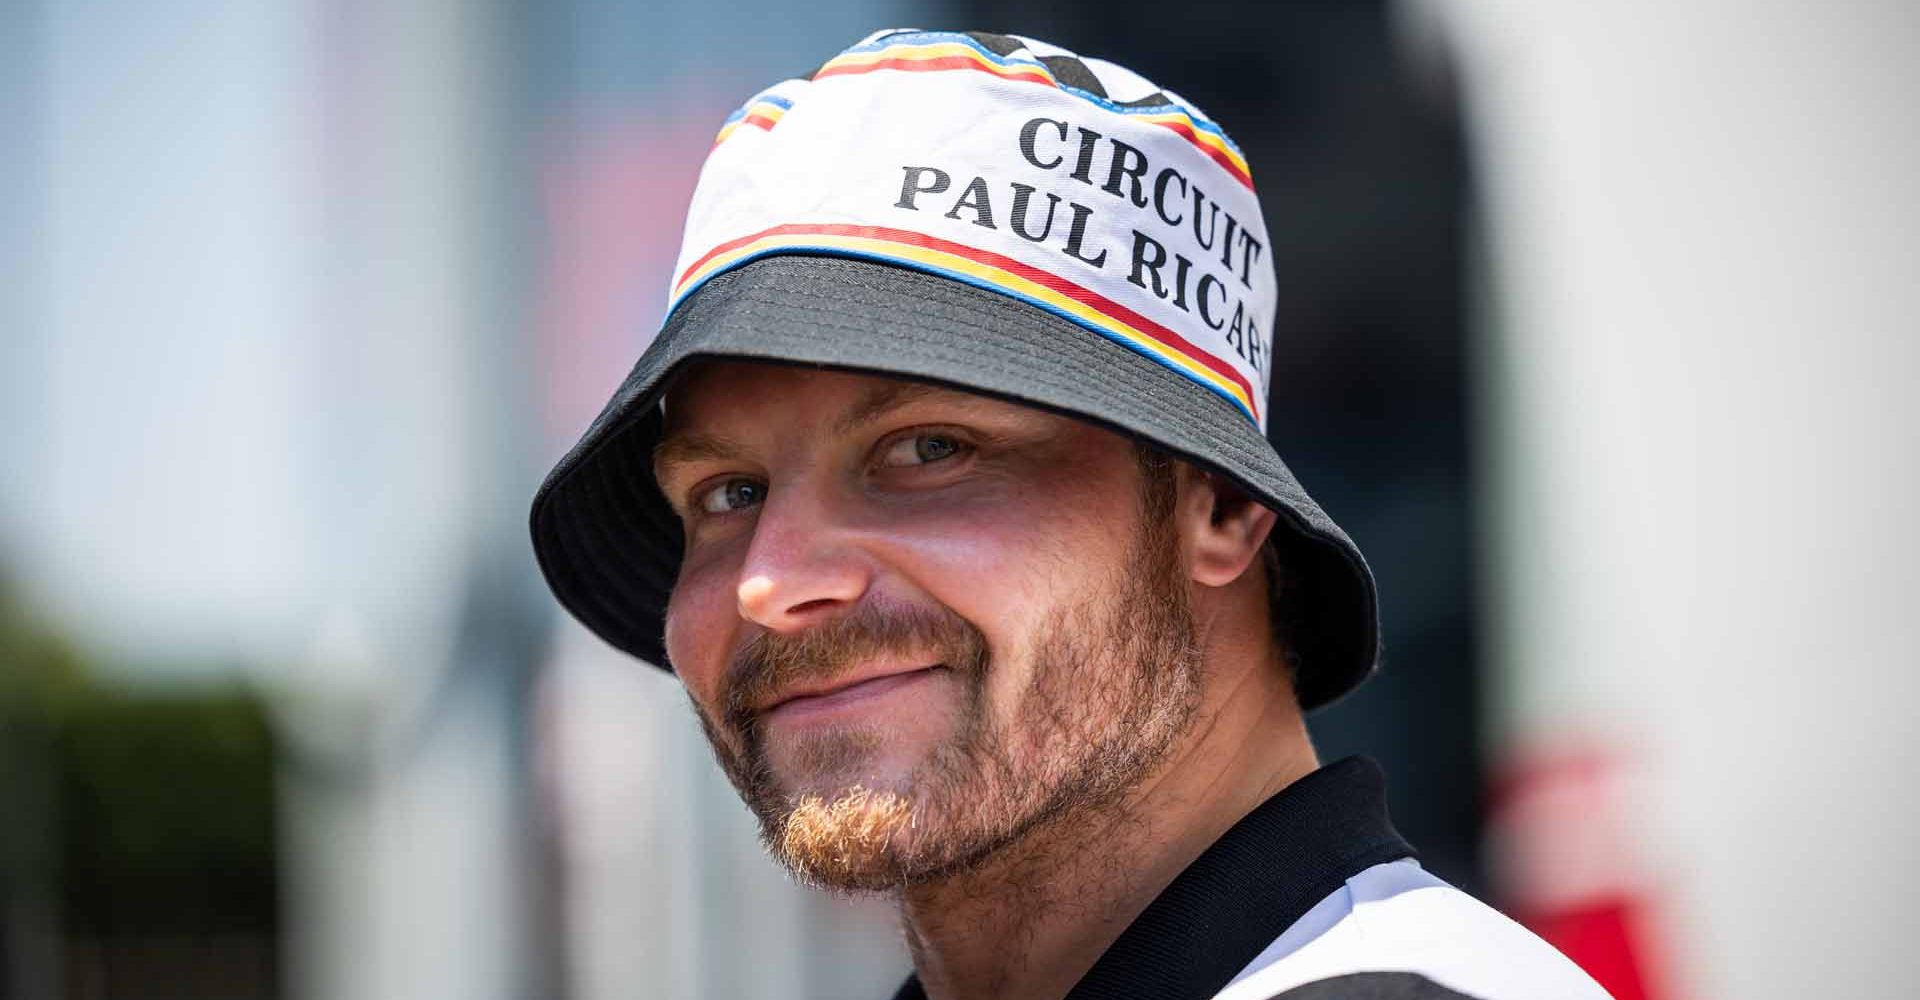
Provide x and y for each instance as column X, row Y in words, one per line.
column 139, row 821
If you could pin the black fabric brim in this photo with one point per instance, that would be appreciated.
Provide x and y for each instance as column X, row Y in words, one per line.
column 610, row 545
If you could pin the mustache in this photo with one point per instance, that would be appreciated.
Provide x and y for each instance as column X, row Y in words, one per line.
column 772, row 662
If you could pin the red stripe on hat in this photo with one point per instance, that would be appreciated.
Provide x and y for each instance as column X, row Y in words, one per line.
column 939, row 63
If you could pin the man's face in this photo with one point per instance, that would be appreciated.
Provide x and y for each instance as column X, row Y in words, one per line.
column 918, row 623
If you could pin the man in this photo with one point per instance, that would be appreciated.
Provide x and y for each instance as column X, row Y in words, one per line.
column 945, row 492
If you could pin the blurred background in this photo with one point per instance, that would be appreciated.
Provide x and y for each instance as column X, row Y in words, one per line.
column 1597, row 331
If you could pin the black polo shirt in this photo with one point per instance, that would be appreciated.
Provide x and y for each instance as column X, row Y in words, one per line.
column 1240, row 894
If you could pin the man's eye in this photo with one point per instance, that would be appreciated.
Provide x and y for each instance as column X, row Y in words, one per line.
column 732, row 495
column 919, row 449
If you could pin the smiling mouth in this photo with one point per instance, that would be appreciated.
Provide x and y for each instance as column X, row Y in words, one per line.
column 850, row 693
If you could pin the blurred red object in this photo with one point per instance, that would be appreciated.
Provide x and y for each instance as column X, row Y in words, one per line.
column 1566, row 860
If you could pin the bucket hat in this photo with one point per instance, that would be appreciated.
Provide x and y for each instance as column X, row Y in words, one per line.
column 992, row 213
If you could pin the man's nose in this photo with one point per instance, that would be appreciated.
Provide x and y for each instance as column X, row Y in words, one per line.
column 804, row 565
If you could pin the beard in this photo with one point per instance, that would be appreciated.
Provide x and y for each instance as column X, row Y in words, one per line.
column 1115, row 683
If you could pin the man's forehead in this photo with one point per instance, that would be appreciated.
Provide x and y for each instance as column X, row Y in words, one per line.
column 778, row 391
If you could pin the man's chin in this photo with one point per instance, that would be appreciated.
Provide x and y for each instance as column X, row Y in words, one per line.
column 852, row 840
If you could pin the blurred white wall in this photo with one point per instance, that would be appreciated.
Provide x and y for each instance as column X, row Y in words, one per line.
column 1705, row 452
column 168, row 217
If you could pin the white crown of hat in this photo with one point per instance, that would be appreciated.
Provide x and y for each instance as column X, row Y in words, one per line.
column 1070, row 183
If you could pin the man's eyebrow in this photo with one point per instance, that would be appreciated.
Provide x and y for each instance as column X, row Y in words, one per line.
column 884, row 399
column 693, row 446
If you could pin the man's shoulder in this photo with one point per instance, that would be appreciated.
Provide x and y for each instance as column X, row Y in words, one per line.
column 1373, row 986
column 1397, row 918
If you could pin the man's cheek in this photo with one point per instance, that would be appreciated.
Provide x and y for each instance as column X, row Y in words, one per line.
column 971, row 548
column 700, row 622
column 1007, row 672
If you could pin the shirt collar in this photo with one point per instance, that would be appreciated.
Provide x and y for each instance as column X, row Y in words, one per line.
column 1240, row 894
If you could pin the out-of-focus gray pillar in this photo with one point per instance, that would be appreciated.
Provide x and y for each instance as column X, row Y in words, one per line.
column 1706, row 443
column 418, row 871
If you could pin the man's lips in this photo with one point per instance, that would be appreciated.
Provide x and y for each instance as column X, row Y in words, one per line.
column 842, row 691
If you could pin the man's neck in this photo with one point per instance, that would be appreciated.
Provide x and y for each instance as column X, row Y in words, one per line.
column 1034, row 919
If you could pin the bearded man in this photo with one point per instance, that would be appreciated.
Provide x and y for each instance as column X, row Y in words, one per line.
column 945, row 491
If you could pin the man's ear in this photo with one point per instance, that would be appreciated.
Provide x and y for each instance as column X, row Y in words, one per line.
column 1225, row 527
